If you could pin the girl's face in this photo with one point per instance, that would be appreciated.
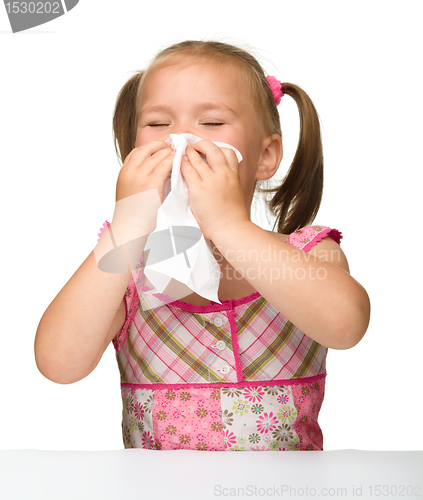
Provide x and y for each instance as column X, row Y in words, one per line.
column 207, row 100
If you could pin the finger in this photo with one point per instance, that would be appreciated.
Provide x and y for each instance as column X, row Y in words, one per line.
column 164, row 168
column 194, row 158
column 149, row 149
column 128, row 157
column 152, row 162
column 231, row 158
column 215, row 157
column 187, row 169
column 149, row 161
column 153, row 146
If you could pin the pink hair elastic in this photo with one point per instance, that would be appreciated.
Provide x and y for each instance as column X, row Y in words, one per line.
column 276, row 87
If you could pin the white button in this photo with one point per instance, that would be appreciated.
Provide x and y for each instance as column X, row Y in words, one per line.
column 218, row 322
column 220, row 345
column 224, row 369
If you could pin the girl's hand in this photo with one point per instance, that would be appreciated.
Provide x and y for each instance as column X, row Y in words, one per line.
column 215, row 191
column 145, row 168
column 140, row 190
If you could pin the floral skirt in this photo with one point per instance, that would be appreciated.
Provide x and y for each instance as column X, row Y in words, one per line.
column 256, row 418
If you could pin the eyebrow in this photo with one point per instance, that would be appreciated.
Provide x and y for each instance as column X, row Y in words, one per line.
column 204, row 106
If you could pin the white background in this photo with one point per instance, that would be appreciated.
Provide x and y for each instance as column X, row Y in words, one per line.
column 359, row 61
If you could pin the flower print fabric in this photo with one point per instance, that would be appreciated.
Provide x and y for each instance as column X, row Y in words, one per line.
column 264, row 417
column 236, row 376
column 137, row 423
column 188, row 419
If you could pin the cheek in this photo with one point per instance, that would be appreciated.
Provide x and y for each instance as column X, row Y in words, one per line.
column 147, row 134
column 249, row 160
column 244, row 139
column 143, row 136
column 245, row 175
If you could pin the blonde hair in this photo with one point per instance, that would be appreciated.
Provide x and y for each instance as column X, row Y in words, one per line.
column 297, row 199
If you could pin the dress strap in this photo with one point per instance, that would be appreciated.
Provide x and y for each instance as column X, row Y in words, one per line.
column 308, row 236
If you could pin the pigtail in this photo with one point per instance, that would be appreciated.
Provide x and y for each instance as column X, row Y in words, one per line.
column 125, row 117
column 297, row 199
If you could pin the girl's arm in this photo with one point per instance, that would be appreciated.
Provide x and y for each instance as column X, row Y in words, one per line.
column 318, row 296
column 79, row 324
column 89, row 311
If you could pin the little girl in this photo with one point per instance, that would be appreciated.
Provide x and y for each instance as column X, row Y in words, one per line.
column 249, row 373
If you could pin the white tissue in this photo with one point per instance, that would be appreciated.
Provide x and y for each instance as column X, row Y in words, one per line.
column 189, row 259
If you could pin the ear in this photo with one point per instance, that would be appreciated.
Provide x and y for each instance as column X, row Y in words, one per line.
column 270, row 158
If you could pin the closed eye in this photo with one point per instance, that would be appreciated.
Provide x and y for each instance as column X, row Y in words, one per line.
column 166, row 124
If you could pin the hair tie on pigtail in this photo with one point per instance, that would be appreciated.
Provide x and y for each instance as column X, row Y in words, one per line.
column 276, row 87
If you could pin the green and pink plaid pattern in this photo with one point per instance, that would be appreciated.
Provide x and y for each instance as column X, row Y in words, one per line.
column 176, row 343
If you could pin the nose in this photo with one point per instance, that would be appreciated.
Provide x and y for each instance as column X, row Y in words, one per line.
column 182, row 132
column 178, row 141
column 184, row 125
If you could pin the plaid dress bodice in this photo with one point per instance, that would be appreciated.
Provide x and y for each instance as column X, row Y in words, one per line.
column 232, row 376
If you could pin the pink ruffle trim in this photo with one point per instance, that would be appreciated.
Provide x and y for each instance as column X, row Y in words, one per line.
column 103, row 229
column 308, row 236
column 212, row 307
column 333, row 233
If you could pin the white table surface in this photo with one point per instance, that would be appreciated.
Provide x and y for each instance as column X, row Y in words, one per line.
column 139, row 474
